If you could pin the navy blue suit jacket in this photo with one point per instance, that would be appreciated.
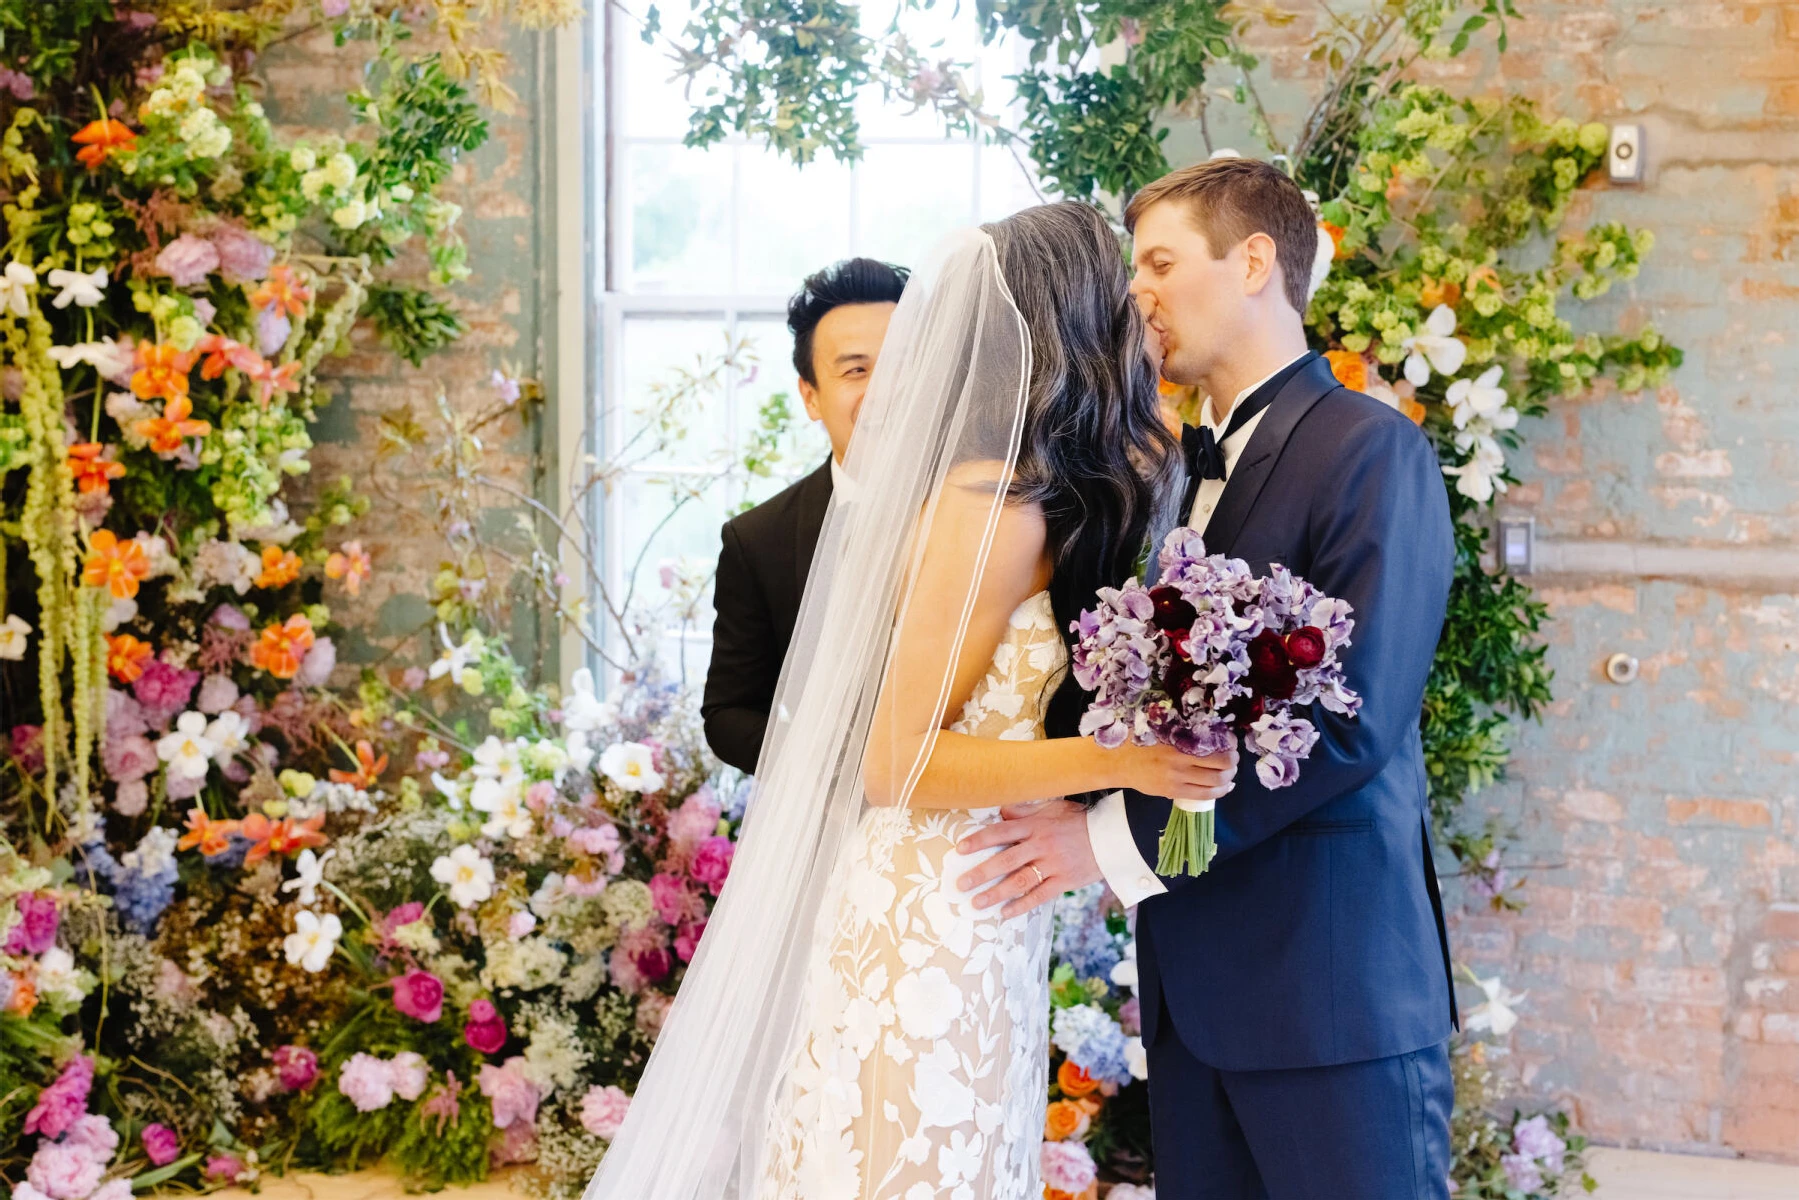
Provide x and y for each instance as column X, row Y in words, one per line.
column 1316, row 937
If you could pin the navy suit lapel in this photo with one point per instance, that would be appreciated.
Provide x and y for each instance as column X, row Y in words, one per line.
column 809, row 520
column 1311, row 384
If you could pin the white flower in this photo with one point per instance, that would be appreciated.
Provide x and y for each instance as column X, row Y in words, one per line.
column 1495, row 1012
column 1321, row 262
column 340, row 171
column 82, row 288
column 927, row 1003
column 580, row 754
column 1124, row 972
column 1481, row 399
column 582, row 709
column 1479, row 477
column 314, row 938
column 57, row 976
column 228, row 733
column 1435, row 348
column 1136, row 1058
column 311, row 868
column 468, row 876
column 188, row 750
column 631, row 766
column 108, row 357
column 153, row 854
column 14, row 634
column 504, row 802
column 14, row 283
column 351, row 213
column 455, row 660
column 302, row 159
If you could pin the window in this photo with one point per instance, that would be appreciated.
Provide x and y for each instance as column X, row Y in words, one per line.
column 703, row 249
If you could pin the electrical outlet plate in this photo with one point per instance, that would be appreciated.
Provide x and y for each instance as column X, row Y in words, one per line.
column 1624, row 161
column 1517, row 544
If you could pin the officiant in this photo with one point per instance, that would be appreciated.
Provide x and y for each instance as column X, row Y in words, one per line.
column 838, row 319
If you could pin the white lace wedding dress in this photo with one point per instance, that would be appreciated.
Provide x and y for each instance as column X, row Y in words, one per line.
column 923, row 1059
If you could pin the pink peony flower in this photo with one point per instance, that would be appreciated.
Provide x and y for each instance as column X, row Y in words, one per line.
column 63, row 1172
column 38, row 920
column 94, row 1136
column 366, row 1082
column 162, row 1145
column 687, row 939
column 670, row 895
column 124, row 715
column 224, row 1166
column 164, row 691
column 129, row 758
column 514, row 1097
column 485, row 1029
column 603, row 1111
column 697, row 818
column 595, row 840
column 1068, row 1167
column 316, row 667
column 188, row 260
column 296, row 1067
column 409, row 1073
column 243, row 257
column 217, row 693
column 517, row 1143
column 713, row 862
column 419, row 995
column 63, row 1101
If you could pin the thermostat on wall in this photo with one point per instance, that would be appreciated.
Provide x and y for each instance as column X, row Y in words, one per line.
column 1624, row 162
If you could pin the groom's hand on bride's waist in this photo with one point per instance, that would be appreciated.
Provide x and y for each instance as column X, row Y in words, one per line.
column 1046, row 852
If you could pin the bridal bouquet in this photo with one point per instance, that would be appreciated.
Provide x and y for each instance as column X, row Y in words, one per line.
column 1212, row 654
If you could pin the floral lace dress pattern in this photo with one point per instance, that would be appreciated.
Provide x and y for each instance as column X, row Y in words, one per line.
column 921, row 1072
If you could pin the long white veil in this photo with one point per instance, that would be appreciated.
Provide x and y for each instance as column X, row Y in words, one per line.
column 950, row 391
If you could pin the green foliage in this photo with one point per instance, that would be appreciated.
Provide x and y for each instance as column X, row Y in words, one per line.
column 1092, row 131
column 412, row 321
column 1483, row 1138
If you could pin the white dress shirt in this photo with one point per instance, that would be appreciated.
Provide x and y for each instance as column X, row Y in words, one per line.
column 1108, row 829
column 840, row 479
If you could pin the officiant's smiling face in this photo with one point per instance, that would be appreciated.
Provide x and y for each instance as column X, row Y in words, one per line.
column 846, row 343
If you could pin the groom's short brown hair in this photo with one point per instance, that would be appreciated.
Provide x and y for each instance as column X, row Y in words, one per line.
column 1228, row 199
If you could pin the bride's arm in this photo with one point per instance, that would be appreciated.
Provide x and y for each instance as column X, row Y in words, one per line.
column 933, row 674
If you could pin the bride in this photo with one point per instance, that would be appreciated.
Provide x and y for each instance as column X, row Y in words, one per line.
column 852, row 1027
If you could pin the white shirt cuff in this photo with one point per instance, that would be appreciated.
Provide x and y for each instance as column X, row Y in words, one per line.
column 1115, row 849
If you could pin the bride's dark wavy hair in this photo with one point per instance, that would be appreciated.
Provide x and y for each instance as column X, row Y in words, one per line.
column 1096, row 456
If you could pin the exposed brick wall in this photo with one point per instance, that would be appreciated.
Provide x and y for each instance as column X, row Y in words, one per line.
column 1658, row 822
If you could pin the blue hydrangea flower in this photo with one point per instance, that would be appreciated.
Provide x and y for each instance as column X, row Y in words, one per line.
column 1093, row 1041
column 1082, row 939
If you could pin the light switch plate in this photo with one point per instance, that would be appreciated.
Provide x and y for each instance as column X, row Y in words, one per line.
column 1517, row 544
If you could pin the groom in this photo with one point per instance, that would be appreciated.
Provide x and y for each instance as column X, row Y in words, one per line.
column 1296, row 998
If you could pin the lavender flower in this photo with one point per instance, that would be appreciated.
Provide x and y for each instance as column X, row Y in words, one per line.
column 188, row 260
column 1536, row 1139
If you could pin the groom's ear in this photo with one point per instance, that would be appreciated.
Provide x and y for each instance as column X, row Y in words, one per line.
column 1261, row 266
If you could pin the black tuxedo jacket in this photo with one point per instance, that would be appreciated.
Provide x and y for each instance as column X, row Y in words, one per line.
column 762, row 568
column 1317, row 935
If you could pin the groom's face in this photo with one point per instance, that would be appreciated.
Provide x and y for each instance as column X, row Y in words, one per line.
column 1191, row 301
column 845, row 345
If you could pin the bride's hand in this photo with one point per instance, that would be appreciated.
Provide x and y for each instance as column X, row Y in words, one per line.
column 1164, row 771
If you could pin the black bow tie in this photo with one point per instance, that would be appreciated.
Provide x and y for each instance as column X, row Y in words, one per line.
column 1204, row 450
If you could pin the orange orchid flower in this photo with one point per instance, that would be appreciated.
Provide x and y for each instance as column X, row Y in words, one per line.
column 166, row 433
column 114, row 565
column 1434, row 293
column 283, row 289
column 161, row 371
column 221, row 352
column 279, row 567
column 284, row 378
column 1350, row 368
column 24, row 996
column 98, row 139
column 212, row 837
column 283, row 646
column 350, row 564
column 92, row 472
column 368, row 768
column 1336, row 234
column 126, row 656
column 281, row 837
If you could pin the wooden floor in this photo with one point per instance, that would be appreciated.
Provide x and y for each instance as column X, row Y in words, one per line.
column 1622, row 1175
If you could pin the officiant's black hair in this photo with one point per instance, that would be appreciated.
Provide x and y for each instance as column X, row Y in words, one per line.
column 1096, row 455
column 852, row 281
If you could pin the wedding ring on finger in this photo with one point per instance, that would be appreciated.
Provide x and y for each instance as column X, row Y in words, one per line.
column 1037, row 873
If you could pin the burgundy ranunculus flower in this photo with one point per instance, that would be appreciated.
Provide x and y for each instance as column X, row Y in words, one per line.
column 296, row 1067
column 1305, row 646
column 420, row 995
column 1267, row 654
column 1172, row 609
column 653, row 963
column 485, row 1030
